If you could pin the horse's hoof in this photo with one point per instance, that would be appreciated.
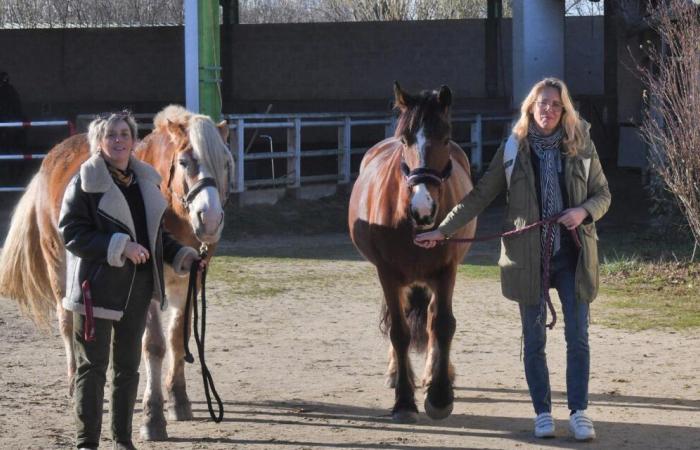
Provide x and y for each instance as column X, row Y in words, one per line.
column 179, row 406
column 390, row 382
column 404, row 416
column 153, row 425
column 151, row 432
column 436, row 413
column 180, row 411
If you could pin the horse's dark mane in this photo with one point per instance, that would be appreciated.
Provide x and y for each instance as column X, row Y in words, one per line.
column 423, row 110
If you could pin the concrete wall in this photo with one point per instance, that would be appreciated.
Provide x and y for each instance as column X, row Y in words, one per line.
column 70, row 71
column 357, row 60
column 327, row 66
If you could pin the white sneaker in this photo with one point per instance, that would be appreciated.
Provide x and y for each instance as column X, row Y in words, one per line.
column 544, row 425
column 581, row 426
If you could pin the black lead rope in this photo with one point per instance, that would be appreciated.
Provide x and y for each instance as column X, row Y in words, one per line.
column 192, row 300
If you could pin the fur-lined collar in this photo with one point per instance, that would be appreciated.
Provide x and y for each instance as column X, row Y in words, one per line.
column 95, row 177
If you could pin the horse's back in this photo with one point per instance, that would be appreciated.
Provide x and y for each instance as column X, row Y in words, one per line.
column 60, row 165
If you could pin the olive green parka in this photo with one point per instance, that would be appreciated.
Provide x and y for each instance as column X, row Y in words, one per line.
column 520, row 259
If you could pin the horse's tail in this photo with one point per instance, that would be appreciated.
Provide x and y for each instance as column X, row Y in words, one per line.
column 416, row 310
column 24, row 275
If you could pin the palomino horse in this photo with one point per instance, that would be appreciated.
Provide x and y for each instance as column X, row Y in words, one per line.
column 408, row 183
column 196, row 167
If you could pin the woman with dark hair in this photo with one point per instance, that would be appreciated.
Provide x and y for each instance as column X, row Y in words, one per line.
column 548, row 166
column 111, row 223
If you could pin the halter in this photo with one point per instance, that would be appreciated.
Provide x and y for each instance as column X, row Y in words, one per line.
column 191, row 193
column 425, row 174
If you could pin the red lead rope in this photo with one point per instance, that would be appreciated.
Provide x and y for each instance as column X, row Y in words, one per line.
column 546, row 257
column 89, row 334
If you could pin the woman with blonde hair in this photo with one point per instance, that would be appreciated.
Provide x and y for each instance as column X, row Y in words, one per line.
column 549, row 167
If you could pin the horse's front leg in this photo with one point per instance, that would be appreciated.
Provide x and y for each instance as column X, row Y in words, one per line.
column 153, row 426
column 179, row 406
column 404, row 409
column 438, row 377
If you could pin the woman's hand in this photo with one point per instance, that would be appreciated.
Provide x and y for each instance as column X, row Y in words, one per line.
column 190, row 259
column 136, row 253
column 572, row 217
column 429, row 239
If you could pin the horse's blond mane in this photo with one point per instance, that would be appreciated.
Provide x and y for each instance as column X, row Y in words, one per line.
column 173, row 113
column 206, row 143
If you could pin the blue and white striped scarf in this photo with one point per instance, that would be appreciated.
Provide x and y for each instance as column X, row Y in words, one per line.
column 548, row 150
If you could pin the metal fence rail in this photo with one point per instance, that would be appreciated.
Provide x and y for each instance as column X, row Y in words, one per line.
column 31, row 156
column 294, row 124
column 297, row 149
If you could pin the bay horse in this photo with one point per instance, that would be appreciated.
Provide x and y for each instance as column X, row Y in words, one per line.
column 196, row 168
column 408, row 183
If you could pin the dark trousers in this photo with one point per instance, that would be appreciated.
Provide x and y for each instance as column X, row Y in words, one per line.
column 123, row 338
column 562, row 276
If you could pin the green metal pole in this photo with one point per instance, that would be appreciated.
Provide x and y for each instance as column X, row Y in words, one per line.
column 209, row 59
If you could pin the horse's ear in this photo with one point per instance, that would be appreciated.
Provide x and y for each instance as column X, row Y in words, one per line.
column 445, row 97
column 399, row 97
column 223, row 130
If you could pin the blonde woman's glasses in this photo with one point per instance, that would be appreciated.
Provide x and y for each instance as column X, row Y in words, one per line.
column 547, row 106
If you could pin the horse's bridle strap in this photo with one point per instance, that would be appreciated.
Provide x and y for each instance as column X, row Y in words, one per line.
column 197, row 188
column 425, row 175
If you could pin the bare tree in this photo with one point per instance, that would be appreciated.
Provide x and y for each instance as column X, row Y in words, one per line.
column 672, row 81
column 366, row 10
column 277, row 11
column 78, row 13
column 584, row 7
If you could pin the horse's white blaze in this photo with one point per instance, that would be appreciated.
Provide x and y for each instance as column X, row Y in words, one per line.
column 422, row 202
column 420, row 143
column 206, row 215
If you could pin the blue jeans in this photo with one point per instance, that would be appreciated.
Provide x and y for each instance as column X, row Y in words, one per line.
column 534, row 317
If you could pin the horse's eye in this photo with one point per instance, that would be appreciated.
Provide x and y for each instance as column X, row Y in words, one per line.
column 403, row 140
column 182, row 162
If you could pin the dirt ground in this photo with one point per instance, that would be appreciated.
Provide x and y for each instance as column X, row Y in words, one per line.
column 301, row 367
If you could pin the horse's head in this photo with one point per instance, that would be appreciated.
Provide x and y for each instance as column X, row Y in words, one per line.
column 201, row 170
column 424, row 129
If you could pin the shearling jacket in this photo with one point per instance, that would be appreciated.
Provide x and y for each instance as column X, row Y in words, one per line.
column 520, row 260
column 96, row 224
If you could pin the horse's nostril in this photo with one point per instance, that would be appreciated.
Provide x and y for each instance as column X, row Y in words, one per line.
column 200, row 216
